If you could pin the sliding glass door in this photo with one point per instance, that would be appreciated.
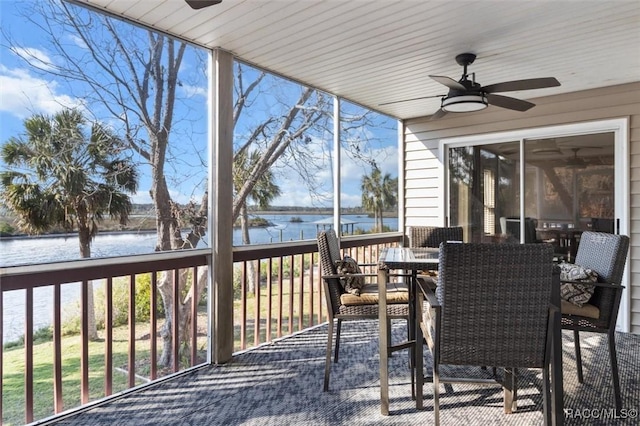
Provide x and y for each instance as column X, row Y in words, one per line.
column 533, row 190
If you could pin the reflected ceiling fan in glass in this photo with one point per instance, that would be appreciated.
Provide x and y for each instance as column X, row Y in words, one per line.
column 576, row 162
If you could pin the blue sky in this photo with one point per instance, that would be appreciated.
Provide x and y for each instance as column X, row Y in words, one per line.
column 24, row 92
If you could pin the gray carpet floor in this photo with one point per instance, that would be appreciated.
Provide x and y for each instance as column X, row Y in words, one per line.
column 281, row 384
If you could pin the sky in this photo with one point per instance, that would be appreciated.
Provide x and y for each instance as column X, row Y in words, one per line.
column 24, row 92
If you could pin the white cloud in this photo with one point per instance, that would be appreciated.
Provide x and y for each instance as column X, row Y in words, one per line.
column 78, row 41
column 35, row 57
column 190, row 90
column 23, row 94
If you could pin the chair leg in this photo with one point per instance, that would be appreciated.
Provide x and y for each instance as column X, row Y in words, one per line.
column 546, row 396
column 509, row 390
column 614, row 370
column 436, row 394
column 327, row 361
column 576, row 340
column 338, row 329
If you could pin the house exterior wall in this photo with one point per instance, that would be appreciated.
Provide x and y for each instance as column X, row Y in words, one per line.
column 424, row 196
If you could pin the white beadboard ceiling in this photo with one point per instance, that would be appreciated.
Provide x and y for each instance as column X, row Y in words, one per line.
column 377, row 51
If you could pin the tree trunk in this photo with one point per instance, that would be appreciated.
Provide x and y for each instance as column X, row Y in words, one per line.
column 251, row 267
column 84, row 237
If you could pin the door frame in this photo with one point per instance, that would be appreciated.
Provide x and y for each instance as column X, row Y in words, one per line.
column 620, row 129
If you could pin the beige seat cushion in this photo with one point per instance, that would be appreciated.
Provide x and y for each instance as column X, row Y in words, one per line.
column 396, row 293
column 586, row 310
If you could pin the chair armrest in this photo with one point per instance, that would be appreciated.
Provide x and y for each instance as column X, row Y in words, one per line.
column 429, row 294
column 348, row 275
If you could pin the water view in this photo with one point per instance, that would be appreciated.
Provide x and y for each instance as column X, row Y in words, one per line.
column 45, row 249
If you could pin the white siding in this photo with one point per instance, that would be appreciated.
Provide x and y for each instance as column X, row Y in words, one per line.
column 422, row 167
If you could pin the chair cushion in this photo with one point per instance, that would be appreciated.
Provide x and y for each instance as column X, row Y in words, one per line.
column 351, row 284
column 585, row 310
column 576, row 293
column 396, row 293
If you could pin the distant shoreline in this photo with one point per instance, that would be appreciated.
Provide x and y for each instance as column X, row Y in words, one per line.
column 146, row 231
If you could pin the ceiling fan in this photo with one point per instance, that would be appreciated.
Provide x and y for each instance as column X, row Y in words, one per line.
column 466, row 95
column 199, row 4
column 576, row 162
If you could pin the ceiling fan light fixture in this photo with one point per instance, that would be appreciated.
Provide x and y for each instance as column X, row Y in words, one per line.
column 464, row 103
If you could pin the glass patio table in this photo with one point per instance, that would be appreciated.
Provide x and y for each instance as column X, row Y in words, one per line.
column 413, row 260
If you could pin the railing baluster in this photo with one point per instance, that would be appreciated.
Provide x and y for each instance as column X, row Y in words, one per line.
column 312, row 288
column 269, row 297
column 153, row 315
column 194, row 317
column 176, row 320
column 256, row 327
column 28, row 354
column 57, row 350
column 280, row 296
column 301, row 294
column 132, row 331
column 84, row 334
column 108, row 337
column 243, row 307
column 291, row 295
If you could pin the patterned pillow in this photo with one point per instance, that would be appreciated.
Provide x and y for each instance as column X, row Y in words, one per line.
column 576, row 292
column 351, row 284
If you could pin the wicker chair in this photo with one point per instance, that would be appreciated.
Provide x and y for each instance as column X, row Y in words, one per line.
column 605, row 254
column 491, row 307
column 432, row 236
column 342, row 306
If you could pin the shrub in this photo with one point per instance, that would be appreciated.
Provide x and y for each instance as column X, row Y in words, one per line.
column 121, row 301
column 6, row 229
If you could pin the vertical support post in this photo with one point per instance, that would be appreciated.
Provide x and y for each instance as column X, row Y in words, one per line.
column 221, row 302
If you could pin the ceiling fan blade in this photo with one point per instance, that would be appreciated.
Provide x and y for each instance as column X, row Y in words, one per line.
column 199, row 4
column 439, row 114
column 448, row 81
column 532, row 83
column 509, row 102
column 412, row 99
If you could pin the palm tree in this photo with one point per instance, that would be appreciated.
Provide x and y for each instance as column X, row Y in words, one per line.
column 58, row 176
column 378, row 193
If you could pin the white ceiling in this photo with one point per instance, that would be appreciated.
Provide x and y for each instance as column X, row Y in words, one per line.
column 377, row 51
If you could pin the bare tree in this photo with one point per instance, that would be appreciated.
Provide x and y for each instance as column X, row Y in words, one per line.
column 132, row 76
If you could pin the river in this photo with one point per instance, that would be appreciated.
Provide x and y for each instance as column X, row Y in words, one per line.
column 34, row 250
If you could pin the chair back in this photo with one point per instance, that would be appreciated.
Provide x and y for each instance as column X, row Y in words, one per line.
column 432, row 236
column 495, row 302
column 530, row 224
column 329, row 251
column 606, row 254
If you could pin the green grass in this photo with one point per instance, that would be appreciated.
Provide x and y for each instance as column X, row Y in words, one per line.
column 13, row 403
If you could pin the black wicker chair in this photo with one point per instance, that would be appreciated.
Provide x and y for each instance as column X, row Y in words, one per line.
column 342, row 306
column 492, row 307
column 606, row 254
column 432, row 236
